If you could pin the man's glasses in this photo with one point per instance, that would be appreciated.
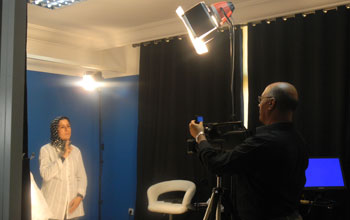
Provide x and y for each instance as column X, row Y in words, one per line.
column 260, row 98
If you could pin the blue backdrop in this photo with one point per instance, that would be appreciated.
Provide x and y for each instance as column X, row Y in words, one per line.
column 120, row 121
column 51, row 95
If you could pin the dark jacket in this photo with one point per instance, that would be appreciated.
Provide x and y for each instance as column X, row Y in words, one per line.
column 269, row 167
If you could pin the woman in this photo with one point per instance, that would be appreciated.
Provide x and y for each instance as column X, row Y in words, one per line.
column 63, row 172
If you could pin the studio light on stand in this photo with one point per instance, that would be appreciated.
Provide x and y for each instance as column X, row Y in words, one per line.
column 94, row 81
column 202, row 23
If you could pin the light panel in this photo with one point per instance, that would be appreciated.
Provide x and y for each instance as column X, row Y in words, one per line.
column 198, row 33
column 201, row 22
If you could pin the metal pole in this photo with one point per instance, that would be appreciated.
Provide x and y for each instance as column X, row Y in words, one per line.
column 101, row 148
column 218, row 206
column 232, row 60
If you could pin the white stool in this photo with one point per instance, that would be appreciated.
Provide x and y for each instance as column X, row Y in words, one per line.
column 170, row 208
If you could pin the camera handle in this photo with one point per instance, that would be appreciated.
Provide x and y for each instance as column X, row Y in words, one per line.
column 215, row 202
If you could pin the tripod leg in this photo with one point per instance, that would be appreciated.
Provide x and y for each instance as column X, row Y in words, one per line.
column 210, row 213
column 210, row 206
column 218, row 209
column 215, row 201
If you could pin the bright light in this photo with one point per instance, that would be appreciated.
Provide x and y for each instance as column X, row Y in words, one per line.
column 54, row 4
column 198, row 43
column 89, row 83
column 179, row 11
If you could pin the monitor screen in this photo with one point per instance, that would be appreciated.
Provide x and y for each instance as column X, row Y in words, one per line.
column 324, row 173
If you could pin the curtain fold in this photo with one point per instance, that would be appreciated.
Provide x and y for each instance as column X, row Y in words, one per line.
column 174, row 85
column 313, row 53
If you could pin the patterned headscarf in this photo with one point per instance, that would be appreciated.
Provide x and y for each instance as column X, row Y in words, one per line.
column 56, row 141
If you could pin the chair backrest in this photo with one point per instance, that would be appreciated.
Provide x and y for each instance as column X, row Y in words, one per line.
column 155, row 190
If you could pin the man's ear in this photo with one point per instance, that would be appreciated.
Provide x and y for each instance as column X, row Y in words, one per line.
column 272, row 104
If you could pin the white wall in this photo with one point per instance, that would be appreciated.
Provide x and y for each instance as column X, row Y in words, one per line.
column 76, row 58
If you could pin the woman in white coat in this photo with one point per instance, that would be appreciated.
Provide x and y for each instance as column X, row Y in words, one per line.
column 63, row 172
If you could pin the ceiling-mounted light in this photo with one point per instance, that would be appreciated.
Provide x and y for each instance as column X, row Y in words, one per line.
column 270, row 20
column 329, row 9
column 201, row 21
column 54, row 4
column 308, row 13
column 288, row 17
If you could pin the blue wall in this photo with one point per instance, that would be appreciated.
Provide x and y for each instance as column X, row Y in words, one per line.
column 51, row 95
column 120, row 103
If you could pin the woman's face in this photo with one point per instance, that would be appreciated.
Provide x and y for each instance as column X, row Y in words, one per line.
column 64, row 130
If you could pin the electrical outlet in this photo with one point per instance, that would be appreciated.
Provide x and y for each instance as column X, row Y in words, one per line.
column 131, row 211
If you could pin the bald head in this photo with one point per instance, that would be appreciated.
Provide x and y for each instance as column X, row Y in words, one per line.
column 285, row 94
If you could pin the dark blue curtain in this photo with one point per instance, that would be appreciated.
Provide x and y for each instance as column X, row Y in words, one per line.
column 176, row 84
column 313, row 53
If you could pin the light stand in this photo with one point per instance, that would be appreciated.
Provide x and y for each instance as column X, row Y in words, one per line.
column 232, row 66
column 91, row 81
column 232, row 60
column 101, row 148
column 201, row 22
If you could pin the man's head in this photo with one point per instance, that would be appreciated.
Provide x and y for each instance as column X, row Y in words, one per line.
column 277, row 103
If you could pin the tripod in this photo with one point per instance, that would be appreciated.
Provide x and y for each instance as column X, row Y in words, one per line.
column 215, row 202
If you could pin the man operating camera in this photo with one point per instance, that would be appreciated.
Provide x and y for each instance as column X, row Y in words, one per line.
column 270, row 165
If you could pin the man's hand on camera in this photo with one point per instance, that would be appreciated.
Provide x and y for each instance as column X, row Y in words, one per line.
column 197, row 131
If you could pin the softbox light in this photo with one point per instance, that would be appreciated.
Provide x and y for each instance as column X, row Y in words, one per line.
column 201, row 21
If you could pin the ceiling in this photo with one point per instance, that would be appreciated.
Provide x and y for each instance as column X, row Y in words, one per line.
column 95, row 26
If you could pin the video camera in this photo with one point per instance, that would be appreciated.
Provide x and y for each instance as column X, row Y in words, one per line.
column 221, row 135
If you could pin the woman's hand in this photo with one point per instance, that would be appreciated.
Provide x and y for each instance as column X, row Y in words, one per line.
column 73, row 205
